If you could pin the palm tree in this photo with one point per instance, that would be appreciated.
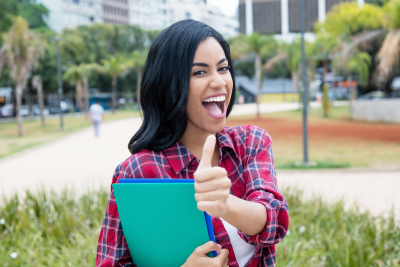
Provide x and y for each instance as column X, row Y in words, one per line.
column 114, row 67
column 74, row 75
column 79, row 75
column 376, row 24
column 139, row 60
column 261, row 46
column 37, row 83
column 21, row 51
column 357, row 64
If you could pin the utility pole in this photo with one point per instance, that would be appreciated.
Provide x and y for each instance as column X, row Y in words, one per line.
column 305, row 89
column 60, row 89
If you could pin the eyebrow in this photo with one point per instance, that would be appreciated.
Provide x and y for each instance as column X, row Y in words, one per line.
column 206, row 65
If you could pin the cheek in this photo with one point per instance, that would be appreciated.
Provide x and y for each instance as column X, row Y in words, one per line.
column 229, row 84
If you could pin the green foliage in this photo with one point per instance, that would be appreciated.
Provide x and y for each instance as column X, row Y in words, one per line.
column 392, row 11
column 33, row 12
column 330, row 235
column 347, row 19
column 8, row 9
column 358, row 64
column 293, row 59
column 328, row 164
column 51, row 229
column 62, row 229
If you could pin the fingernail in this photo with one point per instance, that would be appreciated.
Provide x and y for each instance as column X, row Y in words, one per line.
column 219, row 246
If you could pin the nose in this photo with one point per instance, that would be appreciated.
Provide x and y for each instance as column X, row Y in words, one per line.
column 217, row 81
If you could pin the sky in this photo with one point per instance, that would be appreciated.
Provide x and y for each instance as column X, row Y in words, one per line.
column 228, row 7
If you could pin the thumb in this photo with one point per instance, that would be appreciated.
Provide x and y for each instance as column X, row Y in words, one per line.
column 208, row 151
column 209, row 246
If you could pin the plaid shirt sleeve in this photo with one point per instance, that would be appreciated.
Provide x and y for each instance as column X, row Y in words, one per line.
column 112, row 249
column 261, row 187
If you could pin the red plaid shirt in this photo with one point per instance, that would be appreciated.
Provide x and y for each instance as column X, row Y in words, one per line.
column 246, row 154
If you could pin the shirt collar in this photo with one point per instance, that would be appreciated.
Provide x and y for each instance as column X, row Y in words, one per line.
column 179, row 156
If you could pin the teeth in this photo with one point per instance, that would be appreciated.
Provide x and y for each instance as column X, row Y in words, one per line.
column 215, row 99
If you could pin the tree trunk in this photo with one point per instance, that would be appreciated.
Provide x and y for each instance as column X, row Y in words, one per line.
column 257, row 67
column 86, row 94
column 41, row 102
column 353, row 93
column 114, row 96
column 139, row 82
column 18, row 109
column 79, row 96
column 295, row 85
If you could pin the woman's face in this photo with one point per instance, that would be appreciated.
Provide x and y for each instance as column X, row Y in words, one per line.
column 210, row 88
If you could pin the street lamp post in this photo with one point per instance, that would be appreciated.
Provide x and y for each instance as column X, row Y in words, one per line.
column 305, row 89
column 60, row 89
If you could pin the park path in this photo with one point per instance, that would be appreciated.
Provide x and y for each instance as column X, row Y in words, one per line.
column 84, row 162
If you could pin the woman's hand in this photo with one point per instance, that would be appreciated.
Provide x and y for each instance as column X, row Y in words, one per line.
column 199, row 257
column 212, row 184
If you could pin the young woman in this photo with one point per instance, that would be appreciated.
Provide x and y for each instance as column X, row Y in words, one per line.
column 188, row 90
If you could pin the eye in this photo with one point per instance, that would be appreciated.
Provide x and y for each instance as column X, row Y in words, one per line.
column 224, row 68
column 199, row 72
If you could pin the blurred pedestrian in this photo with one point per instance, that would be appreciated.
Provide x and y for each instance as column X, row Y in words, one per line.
column 96, row 112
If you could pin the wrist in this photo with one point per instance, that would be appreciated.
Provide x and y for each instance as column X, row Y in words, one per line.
column 230, row 207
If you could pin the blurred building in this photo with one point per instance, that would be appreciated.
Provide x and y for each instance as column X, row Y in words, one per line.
column 283, row 16
column 116, row 12
column 72, row 13
column 147, row 14
column 272, row 90
column 159, row 14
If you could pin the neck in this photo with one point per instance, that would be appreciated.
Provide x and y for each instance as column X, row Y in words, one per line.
column 194, row 138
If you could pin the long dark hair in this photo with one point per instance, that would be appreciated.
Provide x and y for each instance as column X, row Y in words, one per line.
column 165, row 84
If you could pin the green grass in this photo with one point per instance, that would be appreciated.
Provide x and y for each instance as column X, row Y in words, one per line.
column 35, row 134
column 328, row 235
column 314, row 165
column 62, row 230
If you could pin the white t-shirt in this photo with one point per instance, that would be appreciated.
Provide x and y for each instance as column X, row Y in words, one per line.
column 243, row 251
column 97, row 112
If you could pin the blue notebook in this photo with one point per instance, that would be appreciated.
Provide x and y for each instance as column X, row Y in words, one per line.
column 145, row 204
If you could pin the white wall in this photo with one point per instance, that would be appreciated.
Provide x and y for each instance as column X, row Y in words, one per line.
column 385, row 110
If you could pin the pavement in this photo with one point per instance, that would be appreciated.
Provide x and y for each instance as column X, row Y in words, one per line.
column 83, row 162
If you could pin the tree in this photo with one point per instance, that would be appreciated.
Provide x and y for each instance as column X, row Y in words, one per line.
column 261, row 46
column 37, row 83
column 357, row 64
column 79, row 75
column 114, row 67
column 21, row 51
column 139, row 60
column 74, row 75
column 8, row 9
column 33, row 12
column 360, row 26
column 293, row 62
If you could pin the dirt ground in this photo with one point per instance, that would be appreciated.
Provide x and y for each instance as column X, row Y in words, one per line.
column 332, row 141
column 330, row 129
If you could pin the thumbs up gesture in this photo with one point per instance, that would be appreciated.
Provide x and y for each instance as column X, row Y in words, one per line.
column 212, row 184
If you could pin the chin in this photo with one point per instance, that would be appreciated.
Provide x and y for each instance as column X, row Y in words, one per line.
column 215, row 128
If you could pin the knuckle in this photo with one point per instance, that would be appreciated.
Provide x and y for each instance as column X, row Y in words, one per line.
column 196, row 187
column 221, row 171
column 227, row 183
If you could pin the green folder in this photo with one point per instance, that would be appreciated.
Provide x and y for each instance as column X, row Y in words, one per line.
column 161, row 222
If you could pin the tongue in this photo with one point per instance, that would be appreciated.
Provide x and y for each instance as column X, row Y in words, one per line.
column 212, row 107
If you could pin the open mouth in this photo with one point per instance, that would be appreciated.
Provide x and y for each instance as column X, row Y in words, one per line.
column 215, row 105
